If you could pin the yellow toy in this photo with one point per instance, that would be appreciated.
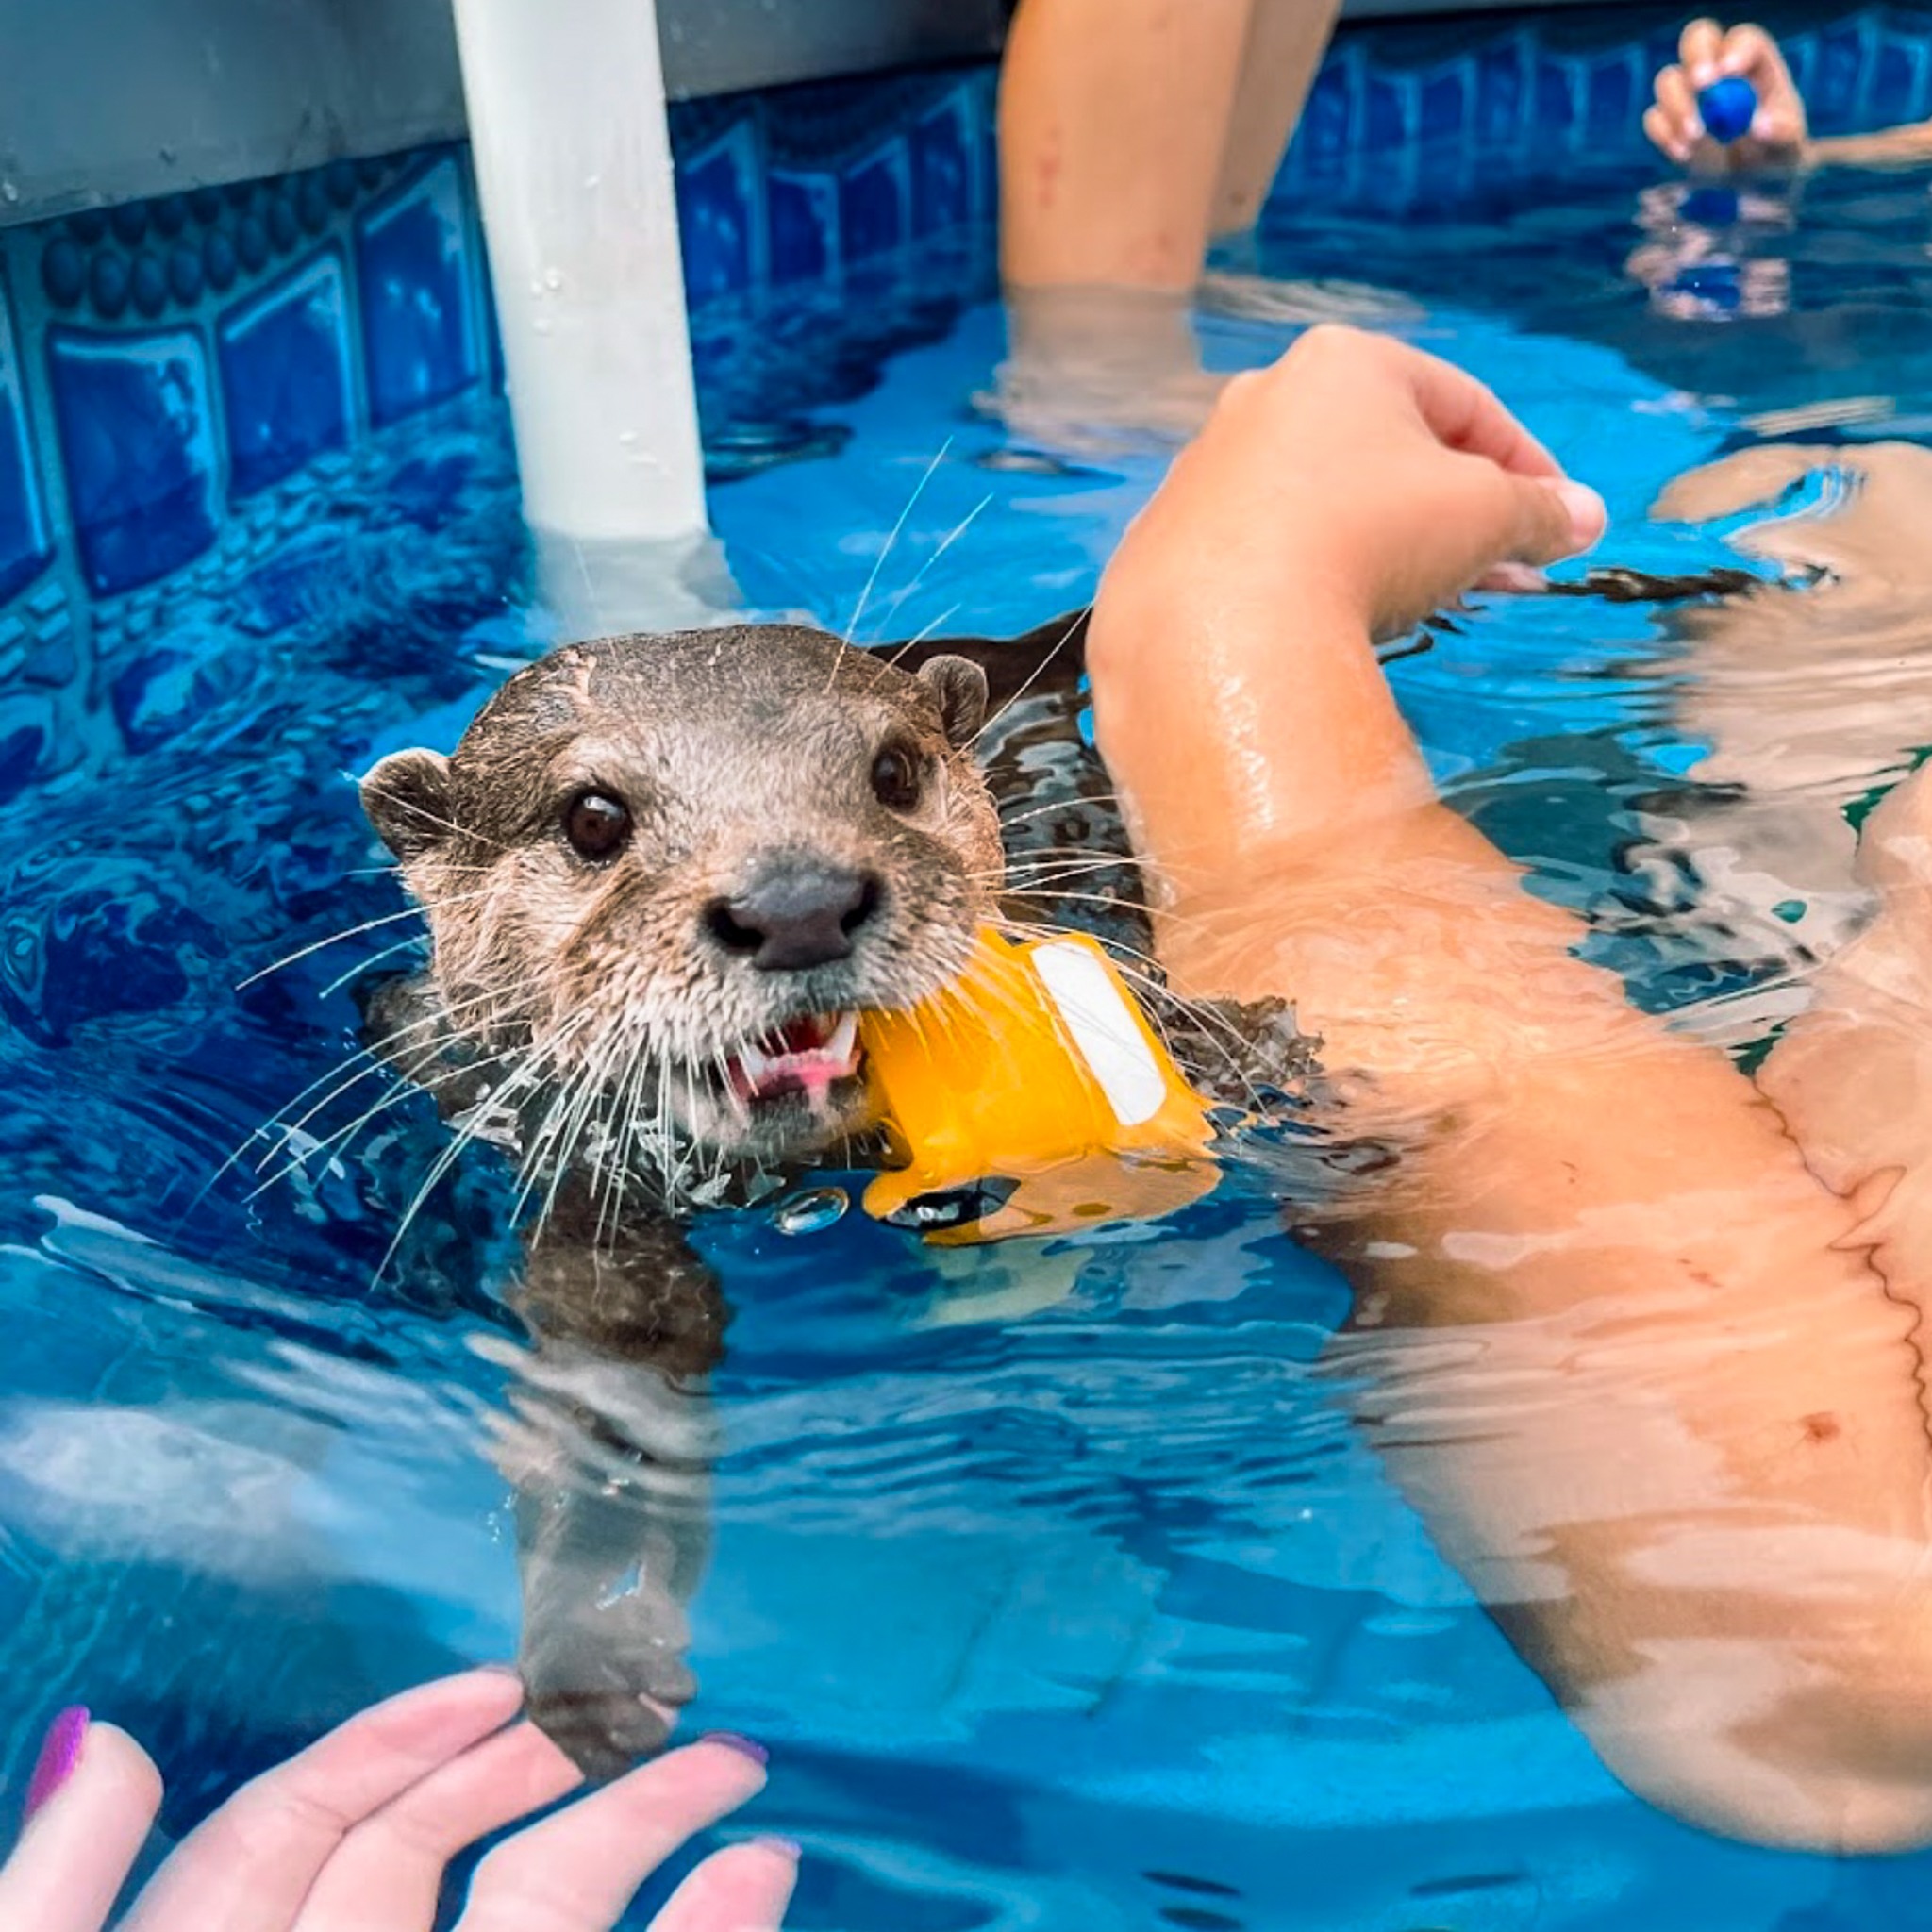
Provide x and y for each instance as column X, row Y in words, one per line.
column 1038, row 1067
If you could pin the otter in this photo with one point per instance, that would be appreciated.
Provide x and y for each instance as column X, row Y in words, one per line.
column 662, row 876
column 668, row 872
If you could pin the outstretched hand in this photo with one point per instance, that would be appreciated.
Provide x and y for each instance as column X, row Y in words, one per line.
column 353, row 1834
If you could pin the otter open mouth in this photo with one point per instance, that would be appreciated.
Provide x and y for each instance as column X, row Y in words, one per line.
column 805, row 1056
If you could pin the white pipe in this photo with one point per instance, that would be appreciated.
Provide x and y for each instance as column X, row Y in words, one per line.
column 573, row 158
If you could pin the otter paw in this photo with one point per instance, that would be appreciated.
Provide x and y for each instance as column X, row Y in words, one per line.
column 603, row 1704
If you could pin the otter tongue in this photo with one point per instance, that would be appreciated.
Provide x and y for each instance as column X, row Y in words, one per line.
column 808, row 1053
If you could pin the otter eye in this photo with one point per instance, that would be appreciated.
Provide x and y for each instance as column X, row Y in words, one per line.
column 596, row 825
column 895, row 778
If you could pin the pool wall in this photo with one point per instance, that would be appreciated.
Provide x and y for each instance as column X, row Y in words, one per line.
column 184, row 379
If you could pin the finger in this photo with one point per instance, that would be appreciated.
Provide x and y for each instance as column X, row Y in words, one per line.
column 576, row 1872
column 744, row 1888
column 1698, row 48
column 249, row 1868
column 76, row 1853
column 1749, row 51
column 1464, row 415
column 1678, row 100
column 1544, row 519
column 1663, row 135
column 388, row 1871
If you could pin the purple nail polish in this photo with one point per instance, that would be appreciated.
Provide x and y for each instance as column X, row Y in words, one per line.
column 59, row 1754
column 785, row 1847
column 745, row 1747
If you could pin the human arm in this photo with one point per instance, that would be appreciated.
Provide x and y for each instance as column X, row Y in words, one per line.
column 1618, row 1344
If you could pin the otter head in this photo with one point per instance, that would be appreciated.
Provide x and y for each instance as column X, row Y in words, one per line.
column 663, row 877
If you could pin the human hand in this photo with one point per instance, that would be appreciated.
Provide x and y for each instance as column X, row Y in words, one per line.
column 1707, row 53
column 353, row 1833
column 1341, row 495
column 1366, row 474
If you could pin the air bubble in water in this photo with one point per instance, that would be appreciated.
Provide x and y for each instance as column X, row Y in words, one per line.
column 811, row 1212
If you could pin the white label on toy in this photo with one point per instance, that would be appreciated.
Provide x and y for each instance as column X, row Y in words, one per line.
column 1086, row 997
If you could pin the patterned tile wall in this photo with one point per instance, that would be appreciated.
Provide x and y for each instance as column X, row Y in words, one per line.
column 183, row 381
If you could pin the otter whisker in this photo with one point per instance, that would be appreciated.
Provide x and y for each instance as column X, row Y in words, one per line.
column 542, row 1137
column 924, row 632
column 945, row 543
column 332, row 1072
column 886, row 549
column 348, row 933
column 1032, row 677
column 439, row 1167
column 362, row 966
column 583, row 1097
column 421, row 815
column 337, row 1144
column 387, row 1056
column 1070, row 803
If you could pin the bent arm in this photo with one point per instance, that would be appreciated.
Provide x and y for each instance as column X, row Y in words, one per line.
column 1626, row 1358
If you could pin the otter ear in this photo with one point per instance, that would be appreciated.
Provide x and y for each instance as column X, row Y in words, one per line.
column 959, row 688
column 406, row 797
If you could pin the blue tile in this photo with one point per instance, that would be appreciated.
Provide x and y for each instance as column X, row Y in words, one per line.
column 137, row 438
column 1555, row 98
column 1897, row 77
column 804, row 214
column 1442, row 105
column 1387, row 119
column 718, row 216
column 1501, row 87
column 1835, row 88
column 415, row 270
column 284, row 360
column 1801, row 58
column 23, row 546
column 873, row 199
column 1613, row 106
column 943, row 170
column 1324, row 139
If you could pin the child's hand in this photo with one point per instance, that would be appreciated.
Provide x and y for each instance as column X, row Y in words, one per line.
column 1708, row 53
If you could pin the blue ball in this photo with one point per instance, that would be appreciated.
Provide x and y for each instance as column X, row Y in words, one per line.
column 1727, row 108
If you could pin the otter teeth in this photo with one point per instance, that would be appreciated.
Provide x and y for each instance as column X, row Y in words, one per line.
column 807, row 1054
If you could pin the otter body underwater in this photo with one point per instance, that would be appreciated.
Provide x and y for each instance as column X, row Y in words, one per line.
column 664, row 875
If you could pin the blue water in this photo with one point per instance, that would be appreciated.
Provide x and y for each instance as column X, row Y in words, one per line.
column 1057, row 1581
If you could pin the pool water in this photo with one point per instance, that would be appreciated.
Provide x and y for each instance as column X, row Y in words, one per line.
column 1056, row 1580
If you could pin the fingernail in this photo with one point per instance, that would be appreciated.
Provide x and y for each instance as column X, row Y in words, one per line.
column 785, row 1847
column 745, row 1747
column 1587, row 513
column 59, row 1754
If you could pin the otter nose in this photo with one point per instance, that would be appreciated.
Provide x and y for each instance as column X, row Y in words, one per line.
column 796, row 916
